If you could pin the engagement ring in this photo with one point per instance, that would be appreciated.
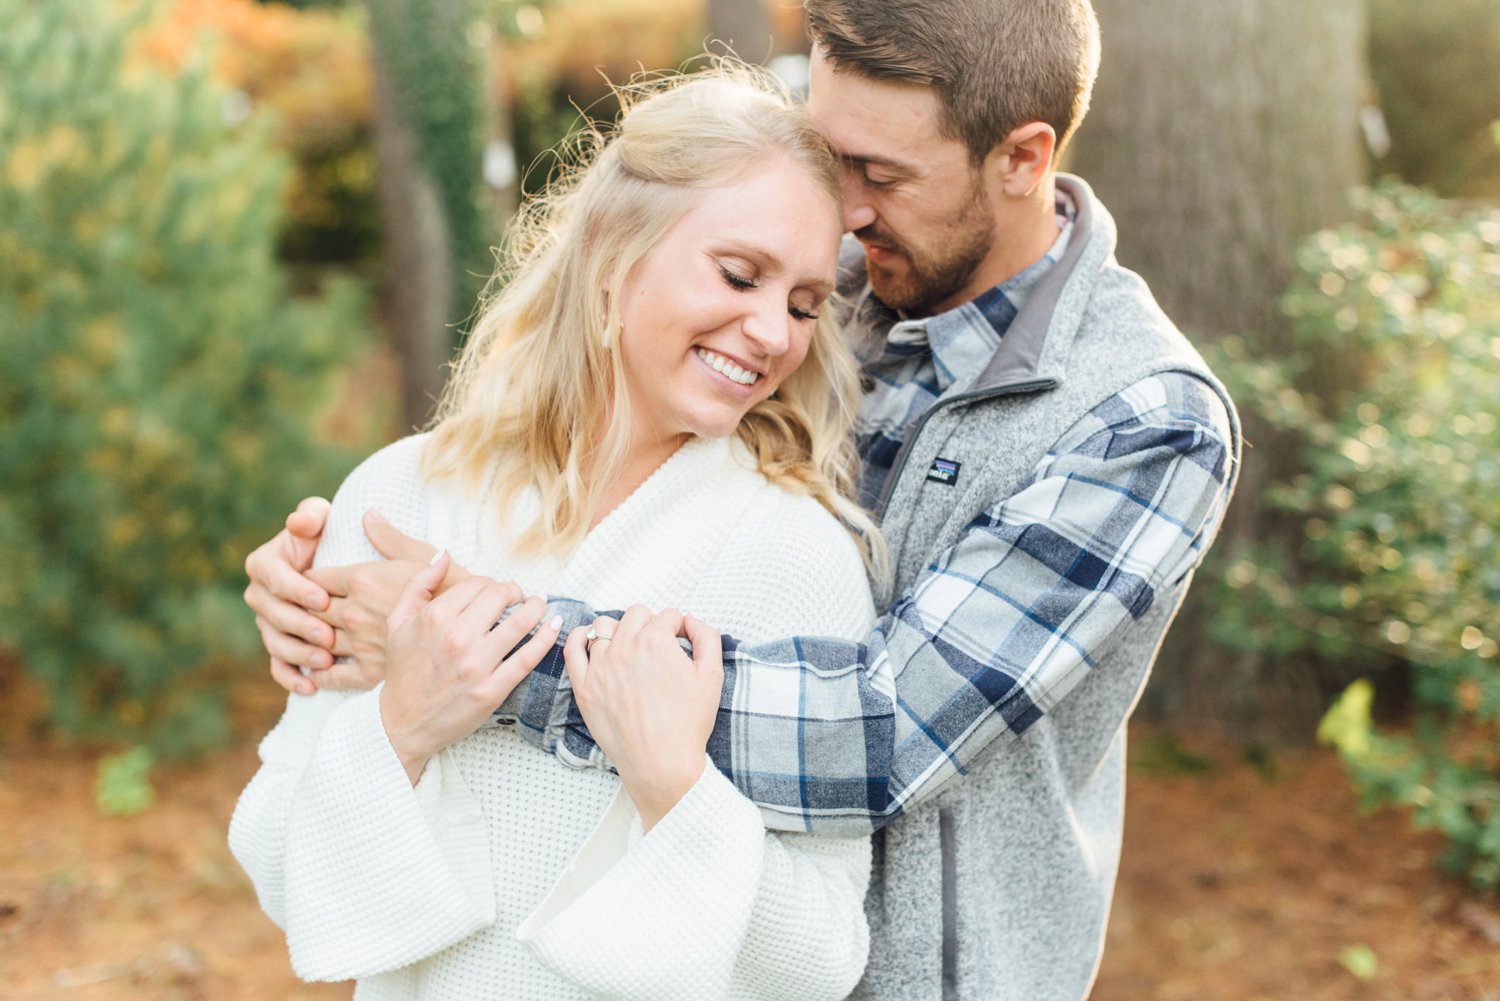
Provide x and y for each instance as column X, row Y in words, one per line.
column 589, row 638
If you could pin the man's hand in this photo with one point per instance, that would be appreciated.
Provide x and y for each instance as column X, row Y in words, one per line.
column 284, row 600
column 649, row 706
column 448, row 666
column 308, row 617
column 362, row 597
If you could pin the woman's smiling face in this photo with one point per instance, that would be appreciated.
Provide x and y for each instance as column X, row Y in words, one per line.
column 722, row 309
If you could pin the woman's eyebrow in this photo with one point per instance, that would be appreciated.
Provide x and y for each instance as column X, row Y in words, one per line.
column 768, row 261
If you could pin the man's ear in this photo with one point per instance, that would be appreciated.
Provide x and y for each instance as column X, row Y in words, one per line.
column 1020, row 162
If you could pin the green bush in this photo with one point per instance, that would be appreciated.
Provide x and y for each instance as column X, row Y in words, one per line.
column 1399, row 503
column 158, row 384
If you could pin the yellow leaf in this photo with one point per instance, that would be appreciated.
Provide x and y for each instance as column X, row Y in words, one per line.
column 1346, row 725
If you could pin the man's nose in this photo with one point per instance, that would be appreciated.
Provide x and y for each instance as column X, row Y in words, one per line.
column 858, row 212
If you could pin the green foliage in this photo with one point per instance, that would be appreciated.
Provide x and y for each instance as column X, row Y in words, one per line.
column 1164, row 754
column 1436, row 67
column 124, row 785
column 157, row 383
column 311, row 69
column 563, row 57
column 1399, row 503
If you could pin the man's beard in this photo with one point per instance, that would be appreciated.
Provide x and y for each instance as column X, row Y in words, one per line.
column 933, row 276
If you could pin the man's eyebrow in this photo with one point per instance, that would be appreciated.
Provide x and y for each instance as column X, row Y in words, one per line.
column 876, row 160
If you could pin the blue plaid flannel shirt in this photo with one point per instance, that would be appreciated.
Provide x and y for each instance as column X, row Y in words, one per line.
column 839, row 737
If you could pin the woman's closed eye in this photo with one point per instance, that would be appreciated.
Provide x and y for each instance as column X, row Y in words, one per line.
column 735, row 280
column 802, row 312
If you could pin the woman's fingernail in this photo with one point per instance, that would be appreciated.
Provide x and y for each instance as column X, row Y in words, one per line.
column 313, row 598
column 556, row 623
column 435, row 557
column 377, row 515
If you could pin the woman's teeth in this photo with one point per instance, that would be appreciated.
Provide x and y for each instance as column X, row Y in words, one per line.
column 726, row 367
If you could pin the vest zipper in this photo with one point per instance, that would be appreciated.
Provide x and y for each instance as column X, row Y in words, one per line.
column 949, row 852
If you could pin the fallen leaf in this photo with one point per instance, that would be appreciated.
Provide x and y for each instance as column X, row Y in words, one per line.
column 1360, row 960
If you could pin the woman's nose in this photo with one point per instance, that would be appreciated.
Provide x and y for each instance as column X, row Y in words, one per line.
column 769, row 327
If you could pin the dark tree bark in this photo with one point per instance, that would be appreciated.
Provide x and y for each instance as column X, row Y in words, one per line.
column 423, row 273
column 743, row 25
column 419, row 267
column 1221, row 135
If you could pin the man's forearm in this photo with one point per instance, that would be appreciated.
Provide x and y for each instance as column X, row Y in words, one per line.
column 1004, row 623
column 542, row 706
column 840, row 737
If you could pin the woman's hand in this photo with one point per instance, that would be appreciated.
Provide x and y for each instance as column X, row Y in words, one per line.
column 649, row 706
column 361, row 598
column 447, row 667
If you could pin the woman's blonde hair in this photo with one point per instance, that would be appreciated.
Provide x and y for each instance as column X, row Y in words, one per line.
column 538, row 396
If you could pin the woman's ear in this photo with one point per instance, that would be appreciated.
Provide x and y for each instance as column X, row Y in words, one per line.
column 1021, row 162
column 608, row 329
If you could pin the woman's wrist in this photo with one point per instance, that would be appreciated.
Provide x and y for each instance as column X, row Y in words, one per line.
column 411, row 752
column 656, row 798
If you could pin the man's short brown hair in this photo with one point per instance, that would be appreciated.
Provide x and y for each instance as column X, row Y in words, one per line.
column 995, row 64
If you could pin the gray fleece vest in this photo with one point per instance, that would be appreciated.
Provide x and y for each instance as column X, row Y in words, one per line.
column 998, row 888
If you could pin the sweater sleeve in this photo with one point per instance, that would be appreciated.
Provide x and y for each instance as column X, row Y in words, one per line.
column 708, row 903
column 364, row 872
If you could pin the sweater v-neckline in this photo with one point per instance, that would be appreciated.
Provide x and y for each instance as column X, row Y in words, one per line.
column 682, row 468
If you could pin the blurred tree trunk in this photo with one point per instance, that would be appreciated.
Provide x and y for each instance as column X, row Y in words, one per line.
column 1221, row 134
column 427, row 146
column 419, row 267
column 743, row 25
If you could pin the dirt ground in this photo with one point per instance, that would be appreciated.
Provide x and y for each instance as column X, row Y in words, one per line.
column 1241, row 881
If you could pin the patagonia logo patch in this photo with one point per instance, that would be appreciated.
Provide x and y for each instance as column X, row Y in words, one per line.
column 943, row 471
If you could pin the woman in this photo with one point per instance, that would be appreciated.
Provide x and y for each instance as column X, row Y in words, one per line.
column 654, row 409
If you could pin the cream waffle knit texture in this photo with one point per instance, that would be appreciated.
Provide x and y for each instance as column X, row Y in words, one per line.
column 420, row 892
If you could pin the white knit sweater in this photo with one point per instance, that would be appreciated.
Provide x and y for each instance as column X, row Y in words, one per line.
column 503, row 874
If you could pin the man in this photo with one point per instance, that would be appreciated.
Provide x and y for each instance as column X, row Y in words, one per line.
column 1050, row 460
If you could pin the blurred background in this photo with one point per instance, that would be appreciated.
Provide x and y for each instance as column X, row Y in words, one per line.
column 239, row 241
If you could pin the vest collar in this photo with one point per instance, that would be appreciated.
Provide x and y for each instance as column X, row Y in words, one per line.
column 1016, row 363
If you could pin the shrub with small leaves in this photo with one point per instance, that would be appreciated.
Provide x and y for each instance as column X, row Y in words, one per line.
column 158, row 383
column 1399, row 502
column 124, row 783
